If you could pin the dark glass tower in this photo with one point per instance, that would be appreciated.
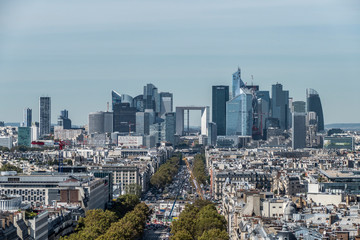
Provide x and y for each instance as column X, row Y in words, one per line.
column 124, row 118
column 280, row 105
column 220, row 95
column 314, row 105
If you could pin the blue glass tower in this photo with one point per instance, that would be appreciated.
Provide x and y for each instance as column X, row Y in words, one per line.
column 237, row 83
column 239, row 116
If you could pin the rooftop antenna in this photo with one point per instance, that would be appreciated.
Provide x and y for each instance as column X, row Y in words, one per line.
column 107, row 107
column 252, row 79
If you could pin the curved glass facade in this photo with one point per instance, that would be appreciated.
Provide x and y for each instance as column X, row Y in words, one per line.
column 239, row 117
column 314, row 105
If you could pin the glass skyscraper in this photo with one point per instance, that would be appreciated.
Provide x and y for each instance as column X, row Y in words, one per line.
column 124, row 118
column 220, row 95
column 27, row 117
column 24, row 136
column 45, row 115
column 237, row 83
column 314, row 105
column 239, row 115
column 280, row 105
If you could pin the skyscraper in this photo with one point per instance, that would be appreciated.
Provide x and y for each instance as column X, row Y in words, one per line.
column 237, row 83
column 263, row 109
column 63, row 119
column 24, row 136
column 166, row 103
column 45, row 115
column 170, row 127
column 298, row 130
column 115, row 98
column 124, row 118
column 143, row 123
column 100, row 122
column 298, row 106
column 27, row 117
column 220, row 95
column 280, row 105
column 239, row 116
column 314, row 105
column 151, row 98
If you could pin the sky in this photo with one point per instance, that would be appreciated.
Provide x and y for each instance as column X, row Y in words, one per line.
column 77, row 51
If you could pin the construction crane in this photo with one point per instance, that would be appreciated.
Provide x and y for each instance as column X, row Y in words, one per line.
column 177, row 195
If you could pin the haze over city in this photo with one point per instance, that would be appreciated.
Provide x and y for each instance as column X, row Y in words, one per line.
column 77, row 52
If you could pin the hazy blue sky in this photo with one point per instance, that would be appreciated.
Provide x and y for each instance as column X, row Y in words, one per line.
column 76, row 52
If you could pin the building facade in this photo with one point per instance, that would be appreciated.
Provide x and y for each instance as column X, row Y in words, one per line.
column 220, row 95
column 45, row 115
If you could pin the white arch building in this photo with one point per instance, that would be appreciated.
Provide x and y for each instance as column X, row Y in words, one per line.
column 205, row 117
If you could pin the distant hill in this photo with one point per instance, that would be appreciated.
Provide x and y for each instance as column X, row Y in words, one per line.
column 344, row 126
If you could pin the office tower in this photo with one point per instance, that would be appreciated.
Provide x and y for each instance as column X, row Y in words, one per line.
column 45, row 115
column 96, row 122
column 237, row 83
column 2, row 124
column 151, row 98
column 27, row 117
column 138, row 103
column 24, row 136
column 124, row 119
column 239, row 116
column 63, row 119
column 212, row 135
column 6, row 141
column 108, row 122
column 298, row 130
column 170, row 127
column 143, row 123
column 280, row 105
column 100, row 122
column 263, row 109
column 115, row 98
column 166, row 103
column 314, row 105
column 299, row 107
column 35, row 132
column 220, row 95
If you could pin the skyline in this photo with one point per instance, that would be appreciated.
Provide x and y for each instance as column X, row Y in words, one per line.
column 78, row 58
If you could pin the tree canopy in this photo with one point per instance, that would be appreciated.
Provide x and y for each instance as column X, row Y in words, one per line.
column 164, row 175
column 200, row 221
column 9, row 167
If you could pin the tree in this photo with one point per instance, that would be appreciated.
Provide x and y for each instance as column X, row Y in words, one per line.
column 214, row 234
column 209, row 218
column 9, row 167
column 125, row 204
column 134, row 189
column 182, row 235
column 198, row 218
column 96, row 223
column 131, row 226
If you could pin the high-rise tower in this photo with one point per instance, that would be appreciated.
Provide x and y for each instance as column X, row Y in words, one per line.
column 280, row 105
column 237, row 83
column 45, row 115
column 313, row 103
column 27, row 117
column 239, row 114
column 220, row 95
